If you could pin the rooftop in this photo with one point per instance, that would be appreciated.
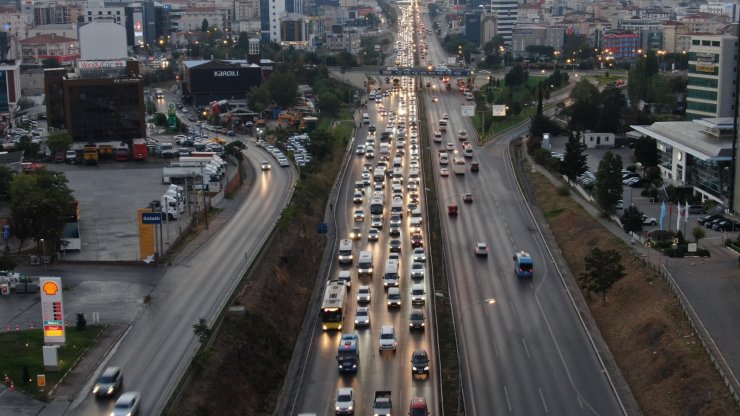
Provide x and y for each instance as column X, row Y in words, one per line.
column 697, row 137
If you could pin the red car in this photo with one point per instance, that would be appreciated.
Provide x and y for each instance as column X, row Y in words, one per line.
column 452, row 210
column 417, row 240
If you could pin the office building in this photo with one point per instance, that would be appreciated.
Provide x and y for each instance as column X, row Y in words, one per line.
column 506, row 12
column 10, row 88
column 711, row 76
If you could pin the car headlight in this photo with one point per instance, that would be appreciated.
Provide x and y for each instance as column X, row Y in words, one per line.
column 350, row 408
column 338, row 408
column 96, row 389
column 110, row 389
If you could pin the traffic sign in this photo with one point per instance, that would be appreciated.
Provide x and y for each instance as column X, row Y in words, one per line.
column 322, row 228
column 425, row 72
column 6, row 232
column 151, row 217
column 467, row 110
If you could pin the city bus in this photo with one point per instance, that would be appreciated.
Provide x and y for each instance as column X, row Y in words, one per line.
column 459, row 165
column 376, row 206
column 333, row 305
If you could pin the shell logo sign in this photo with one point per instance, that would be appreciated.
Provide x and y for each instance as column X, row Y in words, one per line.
column 50, row 288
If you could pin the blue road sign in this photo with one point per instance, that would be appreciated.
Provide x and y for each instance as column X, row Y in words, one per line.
column 151, row 217
column 6, row 232
column 322, row 228
column 425, row 72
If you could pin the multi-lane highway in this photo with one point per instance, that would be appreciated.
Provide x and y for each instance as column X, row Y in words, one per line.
column 377, row 370
column 159, row 345
column 527, row 353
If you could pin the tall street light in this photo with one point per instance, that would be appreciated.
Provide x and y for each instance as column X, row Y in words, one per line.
column 43, row 252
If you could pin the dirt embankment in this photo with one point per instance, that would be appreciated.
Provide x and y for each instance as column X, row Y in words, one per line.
column 664, row 363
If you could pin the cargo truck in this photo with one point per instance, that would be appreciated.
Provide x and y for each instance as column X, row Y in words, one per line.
column 90, row 154
column 382, row 403
column 141, row 150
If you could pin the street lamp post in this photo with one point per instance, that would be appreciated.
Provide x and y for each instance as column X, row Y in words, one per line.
column 43, row 252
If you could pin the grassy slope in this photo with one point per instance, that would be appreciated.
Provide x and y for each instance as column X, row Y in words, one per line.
column 653, row 343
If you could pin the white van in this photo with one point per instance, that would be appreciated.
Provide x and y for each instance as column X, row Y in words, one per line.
column 365, row 118
column 385, row 149
column 469, row 96
column 397, row 207
column 391, row 275
column 345, row 251
column 443, row 159
column 365, row 263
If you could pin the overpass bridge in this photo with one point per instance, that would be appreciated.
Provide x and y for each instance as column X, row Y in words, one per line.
column 411, row 71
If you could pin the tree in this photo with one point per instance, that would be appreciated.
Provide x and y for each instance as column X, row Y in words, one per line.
column 24, row 103
column 6, row 176
column 585, row 109
column 258, row 98
column 283, row 88
column 608, row 186
column 631, row 219
column 659, row 93
column 28, row 147
column 516, row 76
column 204, row 25
column 201, row 330
column 39, row 202
column 59, row 141
column 646, row 152
column 603, row 269
column 698, row 233
column 329, row 103
column 575, row 158
column 612, row 105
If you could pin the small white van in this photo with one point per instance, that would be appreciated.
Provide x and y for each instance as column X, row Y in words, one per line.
column 365, row 118
column 345, row 251
column 365, row 263
column 391, row 276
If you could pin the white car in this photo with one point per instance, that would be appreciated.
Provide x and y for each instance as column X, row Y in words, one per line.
column 363, row 294
column 265, row 165
column 444, row 172
column 450, row 146
column 362, row 317
column 417, row 270
column 418, row 255
column 360, row 149
column 359, row 215
column 649, row 220
column 357, row 197
column 345, row 403
column 445, row 116
column 373, row 234
column 418, row 295
column 127, row 404
column 387, row 340
column 376, row 222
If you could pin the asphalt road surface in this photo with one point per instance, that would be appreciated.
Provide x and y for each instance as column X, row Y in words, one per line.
column 527, row 353
column 159, row 345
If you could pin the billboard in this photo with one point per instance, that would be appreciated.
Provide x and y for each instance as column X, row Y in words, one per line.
column 498, row 110
column 224, row 82
column 705, row 62
column 138, row 27
column 52, row 309
column 467, row 110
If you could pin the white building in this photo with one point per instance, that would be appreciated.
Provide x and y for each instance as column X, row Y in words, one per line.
column 98, row 11
column 597, row 140
column 506, row 12
column 712, row 65
column 102, row 41
column 695, row 153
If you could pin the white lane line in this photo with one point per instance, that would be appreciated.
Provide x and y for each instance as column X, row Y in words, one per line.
column 580, row 402
column 526, row 350
column 542, row 396
column 508, row 402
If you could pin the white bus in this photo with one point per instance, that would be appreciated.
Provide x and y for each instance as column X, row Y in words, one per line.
column 459, row 165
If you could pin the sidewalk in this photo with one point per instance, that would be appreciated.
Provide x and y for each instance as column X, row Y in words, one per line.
column 703, row 285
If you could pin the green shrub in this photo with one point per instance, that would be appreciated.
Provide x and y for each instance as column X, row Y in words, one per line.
column 563, row 190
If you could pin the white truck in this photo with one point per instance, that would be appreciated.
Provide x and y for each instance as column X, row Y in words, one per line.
column 382, row 403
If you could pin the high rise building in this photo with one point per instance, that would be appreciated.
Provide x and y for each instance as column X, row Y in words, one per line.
column 712, row 65
column 506, row 12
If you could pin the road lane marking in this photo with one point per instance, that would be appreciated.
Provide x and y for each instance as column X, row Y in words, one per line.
column 526, row 350
column 508, row 402
column 542, row 396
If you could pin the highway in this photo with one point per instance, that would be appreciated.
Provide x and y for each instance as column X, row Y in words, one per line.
column 377, row 371
column 529, row 348
column 160, row 343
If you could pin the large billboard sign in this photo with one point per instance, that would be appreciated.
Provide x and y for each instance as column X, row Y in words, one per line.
column 52, row 310
column 705, row 62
